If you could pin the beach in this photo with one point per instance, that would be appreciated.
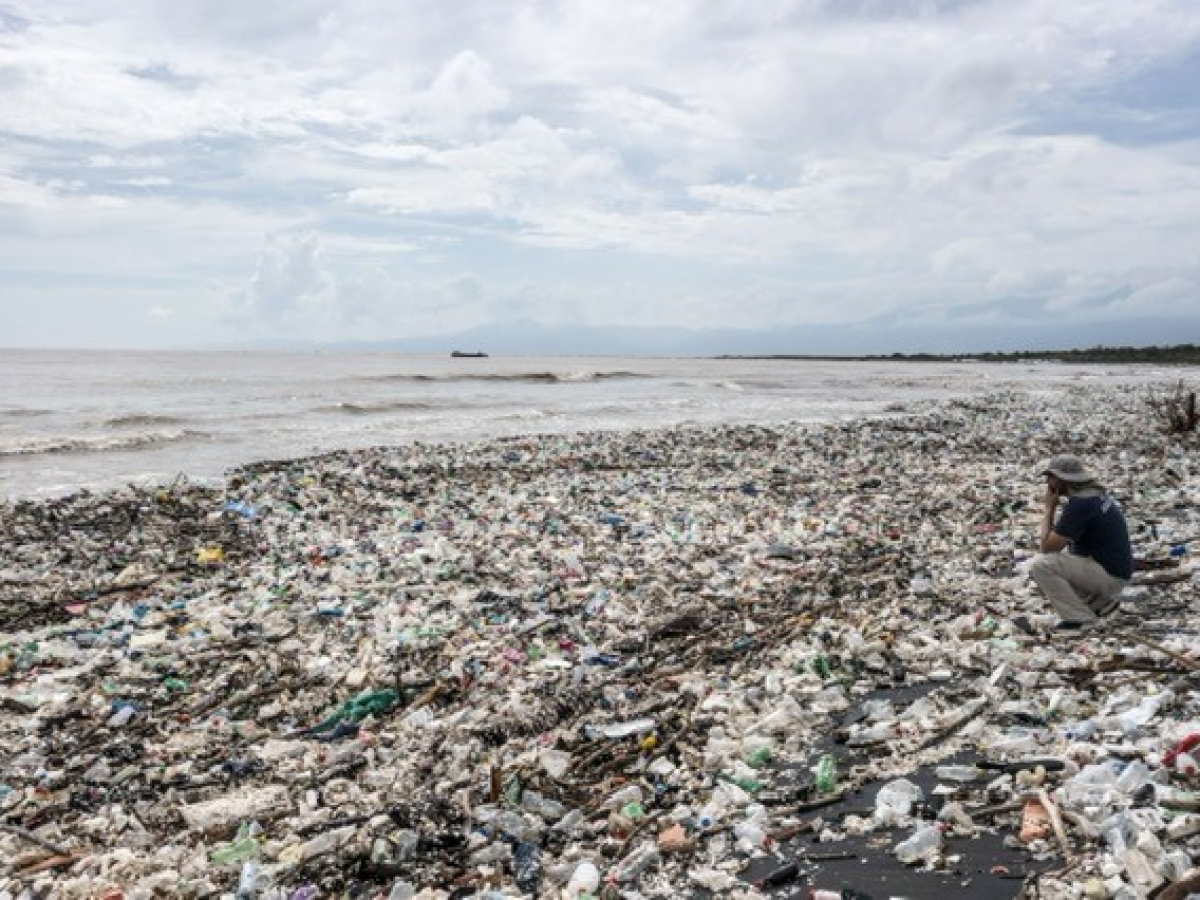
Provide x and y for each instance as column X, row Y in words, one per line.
column 490, row 668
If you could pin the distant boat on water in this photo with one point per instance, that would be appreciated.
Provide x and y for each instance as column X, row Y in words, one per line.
column 463, row 354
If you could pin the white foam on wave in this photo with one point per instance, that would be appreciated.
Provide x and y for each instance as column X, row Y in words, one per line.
column 95, row 444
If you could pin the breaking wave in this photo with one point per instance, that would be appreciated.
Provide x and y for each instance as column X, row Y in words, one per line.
column 98, row 444
column 367, row 409
column 141, row 420
column 527, row 377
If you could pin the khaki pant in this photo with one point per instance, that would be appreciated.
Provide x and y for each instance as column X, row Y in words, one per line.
column 1074, row 585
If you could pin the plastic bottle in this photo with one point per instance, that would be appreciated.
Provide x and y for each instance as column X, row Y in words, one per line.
column 1120, row 831
column 750, row 834
column 1133, row 777
column 637, row 862
column 513, row 824
column 630, row 794
column 327, row 842
column 569, row 821
column 541, row 805
column 952, row 813
column 758, row 757
column 121, row 717
column 957, row 773
column 527, row 867
column 827, row 774
column 871, row 734
column 895, row 800
column 406, row 844
column 584, row 880
column 1046, row 763
column 821, row 666
column 749, row 785
column 708, row 816
column 921, row 844
column 248, row 881
column 1134, row 719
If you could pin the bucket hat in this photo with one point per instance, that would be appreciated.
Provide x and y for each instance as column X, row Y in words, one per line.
column 1068, row 468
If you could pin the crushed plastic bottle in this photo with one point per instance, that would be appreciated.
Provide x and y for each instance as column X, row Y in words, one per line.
column 921, row 845
column 895, row 800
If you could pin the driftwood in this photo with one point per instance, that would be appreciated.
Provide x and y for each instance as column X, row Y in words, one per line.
column 45, row 865
column 1184, row 661
column 1181, row 889
column 1056, row 823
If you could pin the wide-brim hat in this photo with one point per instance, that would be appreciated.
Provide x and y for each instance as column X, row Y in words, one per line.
column 1068, row 468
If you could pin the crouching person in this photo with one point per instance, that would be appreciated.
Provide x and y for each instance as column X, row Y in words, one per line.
column 1085, row 558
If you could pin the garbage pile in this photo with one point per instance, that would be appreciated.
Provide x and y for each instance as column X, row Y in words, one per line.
column 687, row 662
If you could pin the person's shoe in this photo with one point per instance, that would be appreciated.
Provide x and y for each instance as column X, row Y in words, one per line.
column 1107, row 607
column 1068, row 627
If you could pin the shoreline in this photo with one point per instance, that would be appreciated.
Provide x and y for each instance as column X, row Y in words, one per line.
column 142, row 429
column 501, row 609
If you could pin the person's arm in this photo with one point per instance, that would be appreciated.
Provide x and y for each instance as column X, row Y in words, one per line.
column 1051, row 541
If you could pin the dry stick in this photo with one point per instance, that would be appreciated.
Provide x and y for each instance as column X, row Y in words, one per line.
column 1163, row 576
column 987, row 812
column 1056, row 821
column 54, row 862
column 1178, row 657
column 973, row 711
column 637, row 829
column 426, row 698
column 35, row 839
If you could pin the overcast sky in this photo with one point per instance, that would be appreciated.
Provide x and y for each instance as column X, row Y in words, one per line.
column 201, row 172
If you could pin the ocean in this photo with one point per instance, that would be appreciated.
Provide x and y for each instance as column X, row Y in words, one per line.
column 73, row 419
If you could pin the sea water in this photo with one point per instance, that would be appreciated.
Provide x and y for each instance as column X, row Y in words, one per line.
column 100, row 419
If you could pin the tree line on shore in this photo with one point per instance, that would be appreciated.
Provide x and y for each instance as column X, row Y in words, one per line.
column 1178, row 354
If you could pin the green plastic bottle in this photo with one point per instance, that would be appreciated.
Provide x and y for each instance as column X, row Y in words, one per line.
column 758, row 757
column 827, row 774
column 821, row 667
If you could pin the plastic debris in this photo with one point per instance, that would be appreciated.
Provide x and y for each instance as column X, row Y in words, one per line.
column 648, row 662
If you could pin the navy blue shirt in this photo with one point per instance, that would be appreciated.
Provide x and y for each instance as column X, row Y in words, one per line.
column 1095, row 526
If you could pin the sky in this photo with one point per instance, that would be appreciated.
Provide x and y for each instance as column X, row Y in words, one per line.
column 672, row 176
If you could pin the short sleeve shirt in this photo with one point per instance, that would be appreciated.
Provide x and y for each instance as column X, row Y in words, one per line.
column 1095, row 526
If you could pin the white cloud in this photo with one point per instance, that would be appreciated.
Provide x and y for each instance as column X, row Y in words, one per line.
column 688, row 162
column 290, row 285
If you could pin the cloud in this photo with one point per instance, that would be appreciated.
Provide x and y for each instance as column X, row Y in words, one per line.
column 1168, row 297
column 345, row 168
column 290, row 285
